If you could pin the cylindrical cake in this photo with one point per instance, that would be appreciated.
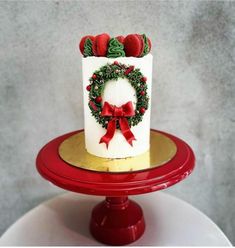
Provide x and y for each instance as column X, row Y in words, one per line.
column 117, row 94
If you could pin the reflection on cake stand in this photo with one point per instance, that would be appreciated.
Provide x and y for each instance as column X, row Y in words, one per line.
column 117, row 220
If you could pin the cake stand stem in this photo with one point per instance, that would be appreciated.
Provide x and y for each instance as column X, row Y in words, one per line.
column 117, row 221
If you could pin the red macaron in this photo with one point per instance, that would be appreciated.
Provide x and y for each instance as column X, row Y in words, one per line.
column 149, row 44
column 142, row 44
column 94, row 50
column 100, row 45
column 83, row 40
column 121, row 39
column 134, row 45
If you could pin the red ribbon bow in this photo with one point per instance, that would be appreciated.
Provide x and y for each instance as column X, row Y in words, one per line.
column 119, row 114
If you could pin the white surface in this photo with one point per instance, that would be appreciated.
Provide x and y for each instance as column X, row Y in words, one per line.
column 116, row 94
column 64, row 220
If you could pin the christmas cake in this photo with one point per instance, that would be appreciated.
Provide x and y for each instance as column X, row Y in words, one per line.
column 117, row 78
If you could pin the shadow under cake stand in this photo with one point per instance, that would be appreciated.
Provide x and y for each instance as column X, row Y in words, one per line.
column 116, row 220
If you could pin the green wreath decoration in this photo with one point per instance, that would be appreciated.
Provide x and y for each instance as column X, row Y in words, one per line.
column 113, row 72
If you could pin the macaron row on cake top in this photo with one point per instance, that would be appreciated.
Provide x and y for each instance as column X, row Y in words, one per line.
column 117, row 79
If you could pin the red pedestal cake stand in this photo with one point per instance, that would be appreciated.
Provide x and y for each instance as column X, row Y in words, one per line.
column 117, row 220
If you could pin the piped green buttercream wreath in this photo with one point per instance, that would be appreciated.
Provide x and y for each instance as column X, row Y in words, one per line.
column 114, row 72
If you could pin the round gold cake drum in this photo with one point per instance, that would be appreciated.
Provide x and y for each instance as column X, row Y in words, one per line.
column 162, row 149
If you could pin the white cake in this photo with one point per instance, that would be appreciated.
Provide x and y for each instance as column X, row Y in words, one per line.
column 116, row 93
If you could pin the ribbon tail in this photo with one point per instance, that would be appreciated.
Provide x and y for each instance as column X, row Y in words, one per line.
column 126, row 131
column 110, row 132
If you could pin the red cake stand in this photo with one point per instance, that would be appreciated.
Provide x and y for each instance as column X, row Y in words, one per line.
column 117, row 220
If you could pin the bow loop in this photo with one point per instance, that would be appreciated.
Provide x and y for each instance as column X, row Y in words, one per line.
column 128, row 109
column 112, row 110
column 107, row 109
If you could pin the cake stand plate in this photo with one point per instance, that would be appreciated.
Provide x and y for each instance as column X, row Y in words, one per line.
column 117, row 220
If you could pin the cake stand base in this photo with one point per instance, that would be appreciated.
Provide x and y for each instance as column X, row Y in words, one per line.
column 117, row 221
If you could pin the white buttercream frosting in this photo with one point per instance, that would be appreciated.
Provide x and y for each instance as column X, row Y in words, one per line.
column 117, row 93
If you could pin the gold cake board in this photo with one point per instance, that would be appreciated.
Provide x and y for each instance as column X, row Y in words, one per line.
column 162, row 149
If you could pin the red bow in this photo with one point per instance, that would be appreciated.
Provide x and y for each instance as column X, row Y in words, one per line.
column 118, row 114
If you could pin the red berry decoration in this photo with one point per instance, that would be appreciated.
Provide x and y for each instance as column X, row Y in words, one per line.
column 144, row 79
column 94, row 76
column 101, row 44
column 98, row 99
column 116, row 63
column 88, row 88
column 129, row 70
column 142, row 93
column 133, row 45
column 142, row 110
column 92, row 104
column 83, row 40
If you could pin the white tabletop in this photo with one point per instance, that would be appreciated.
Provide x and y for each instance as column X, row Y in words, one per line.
column 64, row 220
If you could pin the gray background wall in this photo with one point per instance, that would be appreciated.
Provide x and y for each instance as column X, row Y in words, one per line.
column 193, row 90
